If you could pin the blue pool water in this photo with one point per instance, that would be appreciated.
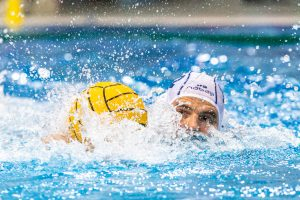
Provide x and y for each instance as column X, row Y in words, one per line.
column 255, row 155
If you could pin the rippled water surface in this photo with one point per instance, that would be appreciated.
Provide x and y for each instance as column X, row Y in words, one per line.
column 256, row 154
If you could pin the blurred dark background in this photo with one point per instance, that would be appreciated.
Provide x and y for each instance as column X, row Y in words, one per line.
column 152, row 12
column 161, row 7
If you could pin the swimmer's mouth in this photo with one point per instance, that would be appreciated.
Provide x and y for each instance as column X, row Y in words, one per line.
column 196, row 136
column 190, row 135
column 199, row 137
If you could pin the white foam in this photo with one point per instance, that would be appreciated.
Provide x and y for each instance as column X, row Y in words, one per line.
column 23, row 122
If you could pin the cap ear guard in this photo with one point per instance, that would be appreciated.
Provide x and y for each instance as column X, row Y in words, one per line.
column 199, row 85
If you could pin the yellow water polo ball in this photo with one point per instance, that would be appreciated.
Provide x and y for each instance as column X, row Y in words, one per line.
column 109, row 97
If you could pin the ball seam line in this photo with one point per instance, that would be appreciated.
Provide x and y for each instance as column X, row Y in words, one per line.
column 105, row 99
column 96, row 87
column 128, row 109
column 125, row 93
column 112, row 85
column 89, row 99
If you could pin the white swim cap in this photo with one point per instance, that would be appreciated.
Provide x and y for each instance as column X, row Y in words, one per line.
column 199, row 85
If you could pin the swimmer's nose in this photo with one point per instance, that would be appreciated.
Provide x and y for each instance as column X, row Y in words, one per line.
column 192, row 123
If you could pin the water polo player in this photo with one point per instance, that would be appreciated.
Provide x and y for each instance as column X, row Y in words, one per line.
column 200, row 101
column 119, row 100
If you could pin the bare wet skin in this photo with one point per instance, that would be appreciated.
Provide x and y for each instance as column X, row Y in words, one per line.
column 197, row 114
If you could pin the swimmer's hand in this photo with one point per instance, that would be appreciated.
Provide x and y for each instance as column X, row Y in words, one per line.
column 88, row 145
column 66, row 138
column 56, row 137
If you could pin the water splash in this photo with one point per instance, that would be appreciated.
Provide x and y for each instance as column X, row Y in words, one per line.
column 25, row 121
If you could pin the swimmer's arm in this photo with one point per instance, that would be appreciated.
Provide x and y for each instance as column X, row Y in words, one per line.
column 66, row 138
column 56, row 137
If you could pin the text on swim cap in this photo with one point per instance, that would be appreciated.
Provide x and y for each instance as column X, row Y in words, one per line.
column 201, row 88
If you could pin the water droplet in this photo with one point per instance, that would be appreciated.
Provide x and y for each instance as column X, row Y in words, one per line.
column 44, row 73
column 127, row 80
column 251, row 51
column 285, row 58
column 196, row 68
column 23, row 79
column 68, row 56
column 15, row 76
column 201, row 58
column 214, row 61
column 223, row 59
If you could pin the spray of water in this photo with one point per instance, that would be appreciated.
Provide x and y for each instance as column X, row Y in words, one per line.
column 23, row 122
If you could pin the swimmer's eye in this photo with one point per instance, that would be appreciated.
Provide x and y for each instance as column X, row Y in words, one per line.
column 210, row 118
column 184, row 110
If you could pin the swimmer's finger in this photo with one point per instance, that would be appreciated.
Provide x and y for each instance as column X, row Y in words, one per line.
column 46, row 139
column 55, row 137
column 89, row 145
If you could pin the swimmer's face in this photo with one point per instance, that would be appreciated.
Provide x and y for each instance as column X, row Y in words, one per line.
column 197, row 115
